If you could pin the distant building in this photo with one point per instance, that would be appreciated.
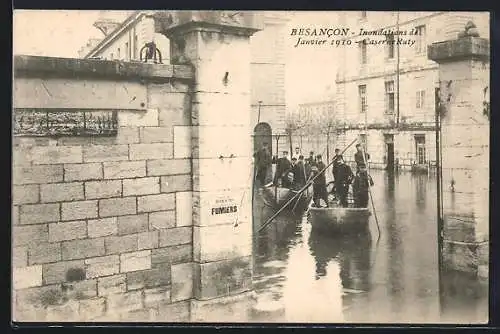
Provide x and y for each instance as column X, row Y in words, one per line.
column 126, row 40
column 316, row 111
column 316, row 121
column 386, row 92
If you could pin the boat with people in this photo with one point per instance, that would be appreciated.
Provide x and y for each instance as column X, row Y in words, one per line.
column 286, row 192
column 277, row 196
column 338, row 219
column 345, row 211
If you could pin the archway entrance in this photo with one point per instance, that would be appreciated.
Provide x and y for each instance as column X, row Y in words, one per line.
column 262, row 133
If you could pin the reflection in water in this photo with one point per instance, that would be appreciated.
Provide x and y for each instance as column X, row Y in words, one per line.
column 303, row 276
column 421, row 197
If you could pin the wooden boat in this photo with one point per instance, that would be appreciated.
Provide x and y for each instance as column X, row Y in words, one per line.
column 337, row 219
column 276, row 197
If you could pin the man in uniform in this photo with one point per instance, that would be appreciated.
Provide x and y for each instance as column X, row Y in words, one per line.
column 343, row 180
column 297, row 153
column 361, row 157
column 360, row 188
column 282, row 167
column 262, row 163
column 299, row 173
column 311, row 158
column 319, row 183
column 336, row 163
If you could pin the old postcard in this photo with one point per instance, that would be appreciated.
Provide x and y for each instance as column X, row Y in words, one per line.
column 250, row 166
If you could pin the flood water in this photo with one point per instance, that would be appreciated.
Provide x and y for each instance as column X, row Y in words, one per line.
column 300, row 276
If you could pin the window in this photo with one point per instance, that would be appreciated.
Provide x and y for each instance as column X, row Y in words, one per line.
column 112, row 56
column 362, row 99
column 421, row 44
column 362, row 52
column 420, row 99
column 118, row 53
column 135, row 47
column 390, row 46
column 389, row 97
column 420, row 149
column 127, row 51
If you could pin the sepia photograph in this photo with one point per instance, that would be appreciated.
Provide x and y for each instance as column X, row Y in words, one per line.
column 193, row 166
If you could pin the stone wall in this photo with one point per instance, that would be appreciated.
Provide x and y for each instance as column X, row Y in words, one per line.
column 464, row 80
column 102, row 226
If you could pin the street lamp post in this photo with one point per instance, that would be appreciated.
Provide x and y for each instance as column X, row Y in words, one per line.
column 258, row 116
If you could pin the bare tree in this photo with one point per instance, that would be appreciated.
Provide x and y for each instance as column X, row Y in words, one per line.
column 295, row 124
column 326, row 124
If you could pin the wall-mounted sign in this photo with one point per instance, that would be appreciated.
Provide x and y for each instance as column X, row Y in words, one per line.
column 224, row 206
column 64, row 122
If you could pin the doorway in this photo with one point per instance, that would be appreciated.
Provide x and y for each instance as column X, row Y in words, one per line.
column 389, row 144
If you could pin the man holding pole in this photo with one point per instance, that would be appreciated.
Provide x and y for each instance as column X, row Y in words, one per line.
column 335, row 168
column 361, row 157
column 262, row 163
column 360, row 188
column 342, row 182
column 319, row 183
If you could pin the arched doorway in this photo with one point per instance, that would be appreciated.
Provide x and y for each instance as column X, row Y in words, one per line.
column 262, row 133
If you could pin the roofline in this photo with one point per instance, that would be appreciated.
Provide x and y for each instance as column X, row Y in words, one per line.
column 135, row 16
column 117, row 32
column 316, row 103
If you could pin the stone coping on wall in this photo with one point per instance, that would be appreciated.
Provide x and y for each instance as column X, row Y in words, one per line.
column 35, row 66
column 461, row 48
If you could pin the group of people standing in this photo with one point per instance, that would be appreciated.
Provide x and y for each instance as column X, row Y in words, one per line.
column 296, row 172
column 344, row 177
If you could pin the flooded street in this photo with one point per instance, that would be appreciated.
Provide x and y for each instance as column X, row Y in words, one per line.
column 300, row 276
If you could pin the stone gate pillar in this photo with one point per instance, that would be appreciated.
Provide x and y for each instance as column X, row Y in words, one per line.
column 217, row 44
column 464, row 95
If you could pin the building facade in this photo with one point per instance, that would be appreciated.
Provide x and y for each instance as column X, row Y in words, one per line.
column 267, row 66
column 386, row 85
column 313, row 112
column 316, row 127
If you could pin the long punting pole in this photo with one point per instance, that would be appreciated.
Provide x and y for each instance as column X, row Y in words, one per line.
column 298, row 199
column 301, row 190
column 439, row 187
column 371, row 196
column 368, row 169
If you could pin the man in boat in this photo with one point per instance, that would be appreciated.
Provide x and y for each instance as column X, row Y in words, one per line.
column 297, row 153
column 312, row 160
column 336, row 163
column 283, row 166
column 309, row 163
column 299, row 173
column 342, row 182
column 360, row 188
column 319, row 183
column 361, row 157
column 262, row 163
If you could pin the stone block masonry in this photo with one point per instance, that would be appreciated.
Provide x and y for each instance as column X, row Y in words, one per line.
column 464, row 67
column 110, row 228
column 97, row 235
